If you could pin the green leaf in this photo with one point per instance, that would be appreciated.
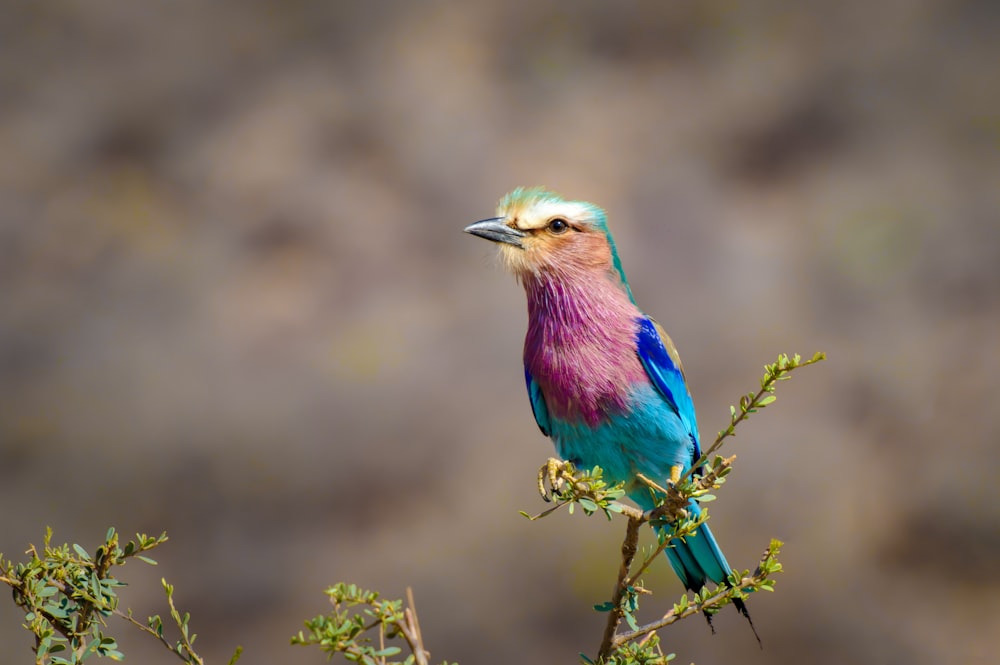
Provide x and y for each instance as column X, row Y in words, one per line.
column 632, row 623
column 47, row 591
column 236, row 655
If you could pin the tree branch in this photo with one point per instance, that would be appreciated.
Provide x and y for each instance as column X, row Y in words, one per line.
column 629, row 548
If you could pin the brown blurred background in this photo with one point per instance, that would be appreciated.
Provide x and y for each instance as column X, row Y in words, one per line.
column 237, row 305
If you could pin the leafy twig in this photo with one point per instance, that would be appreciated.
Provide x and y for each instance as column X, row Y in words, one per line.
column 780, row 370
column 356, row 612
column 738, row 587
column 66, row 596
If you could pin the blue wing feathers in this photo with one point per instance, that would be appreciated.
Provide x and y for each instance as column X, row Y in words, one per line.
column 658, row 364
column 666, row 375
column 697, row 559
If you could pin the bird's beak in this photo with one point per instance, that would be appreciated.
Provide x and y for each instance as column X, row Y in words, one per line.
column 494, row 229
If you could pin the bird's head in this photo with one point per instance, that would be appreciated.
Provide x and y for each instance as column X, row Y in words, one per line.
column 539, row 233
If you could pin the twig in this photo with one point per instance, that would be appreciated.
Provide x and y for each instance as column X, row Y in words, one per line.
column 629, row 548
column 410, row 628
column 381, row 640
column 750, row 402
column 719, row 597
column 159, row 636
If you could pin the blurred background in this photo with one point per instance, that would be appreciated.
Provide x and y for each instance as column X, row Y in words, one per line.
column 236, row 304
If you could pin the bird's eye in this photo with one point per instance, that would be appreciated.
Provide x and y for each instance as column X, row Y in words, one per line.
column 558, row 226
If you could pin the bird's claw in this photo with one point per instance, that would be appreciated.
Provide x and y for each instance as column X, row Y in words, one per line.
column 555, row 472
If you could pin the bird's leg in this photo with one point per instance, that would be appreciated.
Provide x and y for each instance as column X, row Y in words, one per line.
column 554, row 471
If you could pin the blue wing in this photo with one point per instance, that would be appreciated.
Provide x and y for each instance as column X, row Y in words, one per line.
column 659, row 358
column 697, row 558
column 537, row 404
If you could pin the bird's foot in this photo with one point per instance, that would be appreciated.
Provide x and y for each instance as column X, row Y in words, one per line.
column 675, row 474
column 670, row 501
column 555, row 472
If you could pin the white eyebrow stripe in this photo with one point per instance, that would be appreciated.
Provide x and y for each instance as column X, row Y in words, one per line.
column 539, row 215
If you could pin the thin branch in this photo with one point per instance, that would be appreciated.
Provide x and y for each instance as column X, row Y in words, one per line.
column 547, row 511
column 381, row 640
column 182, row 625
column 159, row 636
column 410, row 628
column 629, row 548
column 774, row 372
column 722, row 595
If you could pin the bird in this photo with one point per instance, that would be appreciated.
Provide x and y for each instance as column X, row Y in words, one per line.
column 604, row 380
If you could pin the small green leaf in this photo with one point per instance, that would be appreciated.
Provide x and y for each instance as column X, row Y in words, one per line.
column 632, row 623
column 47, row 591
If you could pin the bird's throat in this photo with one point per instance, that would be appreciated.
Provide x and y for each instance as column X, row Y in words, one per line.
column 580, row 344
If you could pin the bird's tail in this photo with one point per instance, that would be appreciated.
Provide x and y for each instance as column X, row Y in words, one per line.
column 698, row 560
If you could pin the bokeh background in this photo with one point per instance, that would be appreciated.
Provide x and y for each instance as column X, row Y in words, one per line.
column 236, row 304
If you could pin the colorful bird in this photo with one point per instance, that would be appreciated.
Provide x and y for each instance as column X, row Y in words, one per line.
column 604, row 380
